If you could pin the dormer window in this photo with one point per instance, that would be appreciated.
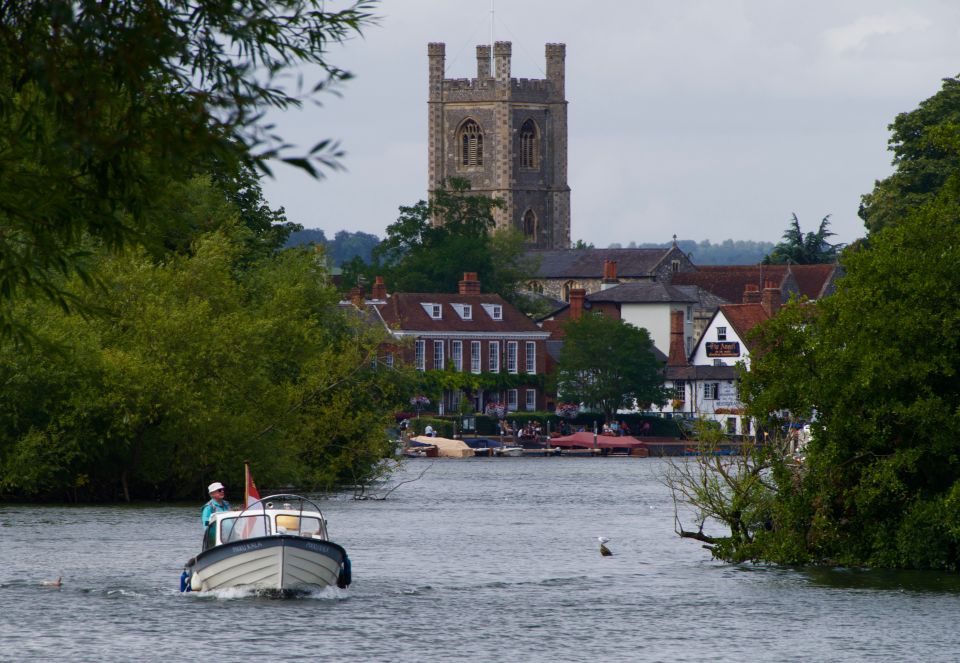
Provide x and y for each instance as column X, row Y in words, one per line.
column 465, row 311
column 435, row 311
column 495, row 311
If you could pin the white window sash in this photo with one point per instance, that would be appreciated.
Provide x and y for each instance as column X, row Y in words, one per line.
column 456, row 354
column 511, row 356
column 475, row 356
column 421, row 358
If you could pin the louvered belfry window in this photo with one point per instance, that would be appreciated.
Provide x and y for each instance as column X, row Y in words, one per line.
column 471, row 144
column 528, row 145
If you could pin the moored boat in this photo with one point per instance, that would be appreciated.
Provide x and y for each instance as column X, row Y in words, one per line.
column 277, row 543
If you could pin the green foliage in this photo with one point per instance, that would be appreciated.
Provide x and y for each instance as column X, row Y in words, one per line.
column 737, row 491
column 800, row 249
column 106, row 103
column 198, row 362
column 433, row 243
column 926, row 154
column 608, row 365
column 345, row 247
column 877, row 363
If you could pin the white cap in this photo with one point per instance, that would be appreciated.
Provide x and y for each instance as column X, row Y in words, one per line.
column 216, row 485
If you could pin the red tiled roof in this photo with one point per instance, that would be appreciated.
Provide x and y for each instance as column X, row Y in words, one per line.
column 744, row 317
column 404, row 311
column 729, row 281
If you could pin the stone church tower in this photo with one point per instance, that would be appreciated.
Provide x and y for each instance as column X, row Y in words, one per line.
column 508, row 137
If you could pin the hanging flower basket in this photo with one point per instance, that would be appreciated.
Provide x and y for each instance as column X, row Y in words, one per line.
column 568, row 410
column 420, row 402
column 498, row 410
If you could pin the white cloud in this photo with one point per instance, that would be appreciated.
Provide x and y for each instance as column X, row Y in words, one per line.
column 855, row 36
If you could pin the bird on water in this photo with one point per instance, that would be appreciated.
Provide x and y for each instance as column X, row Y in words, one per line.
column 604, row 551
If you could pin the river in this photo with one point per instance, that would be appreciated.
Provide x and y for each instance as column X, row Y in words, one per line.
column 478, row 560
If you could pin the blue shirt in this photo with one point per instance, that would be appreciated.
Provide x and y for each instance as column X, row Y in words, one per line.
column 211, row 508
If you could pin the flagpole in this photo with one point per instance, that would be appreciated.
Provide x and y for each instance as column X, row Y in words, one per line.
column 246, row 483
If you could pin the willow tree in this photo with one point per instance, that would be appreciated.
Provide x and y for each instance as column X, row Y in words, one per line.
column 106, row 103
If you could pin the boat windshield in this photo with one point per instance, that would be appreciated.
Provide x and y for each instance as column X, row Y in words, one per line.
column 247, row 526
column 300, row 525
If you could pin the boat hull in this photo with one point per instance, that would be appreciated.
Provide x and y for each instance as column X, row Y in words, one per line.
column 279, row 563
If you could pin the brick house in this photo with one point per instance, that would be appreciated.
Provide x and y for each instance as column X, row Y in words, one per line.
column 472, row 332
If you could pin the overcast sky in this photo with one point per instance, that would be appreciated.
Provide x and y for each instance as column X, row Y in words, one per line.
column 708, row 119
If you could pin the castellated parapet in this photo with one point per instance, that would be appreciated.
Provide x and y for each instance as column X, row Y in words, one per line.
column 507, row 136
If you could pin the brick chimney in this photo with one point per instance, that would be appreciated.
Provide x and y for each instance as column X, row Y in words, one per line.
column 751, row 295
column 356, row 296
column 770, row 299
column 609, row 275
column 678, row 352
column 379, row 290
column 576, row 302
column 469, row 285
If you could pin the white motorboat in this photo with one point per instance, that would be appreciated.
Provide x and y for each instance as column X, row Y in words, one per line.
column 277, row 543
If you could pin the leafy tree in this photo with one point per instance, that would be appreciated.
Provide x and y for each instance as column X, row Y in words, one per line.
column 106, row 103
column 198, row 360
column 433, row 243
column 733, row 490
column 608, row 364
column 580, row 244
column 926, row 153
column 347, row 245
column 876, row 364
column 800, row 249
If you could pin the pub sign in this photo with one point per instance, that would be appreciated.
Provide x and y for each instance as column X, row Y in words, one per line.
column 723, row 349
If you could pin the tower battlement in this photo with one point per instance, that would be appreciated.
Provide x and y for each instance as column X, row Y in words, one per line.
column 507, row 136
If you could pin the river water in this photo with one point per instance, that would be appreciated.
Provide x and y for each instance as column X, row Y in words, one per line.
column 478, row 560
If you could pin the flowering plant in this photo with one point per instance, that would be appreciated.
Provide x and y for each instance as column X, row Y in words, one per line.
column 567, row 410
column 420, row 401
column 495, row 409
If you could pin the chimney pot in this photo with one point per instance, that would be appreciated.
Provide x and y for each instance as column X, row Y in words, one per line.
column 469, row 285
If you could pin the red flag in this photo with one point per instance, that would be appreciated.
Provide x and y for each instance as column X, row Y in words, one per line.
column 253, row 525
column 250, row 492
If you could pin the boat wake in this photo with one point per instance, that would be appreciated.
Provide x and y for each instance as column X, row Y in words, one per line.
column 234, row 593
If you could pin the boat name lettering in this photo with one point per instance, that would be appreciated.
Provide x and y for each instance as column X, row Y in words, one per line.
column 244, row 547
column 318, row 547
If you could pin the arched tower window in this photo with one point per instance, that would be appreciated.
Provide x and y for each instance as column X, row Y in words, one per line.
column 529, row 224
column 470, row 140
column 567, row 287
column 529, row 145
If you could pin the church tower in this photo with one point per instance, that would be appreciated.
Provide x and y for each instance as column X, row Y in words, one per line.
column 508, row 137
